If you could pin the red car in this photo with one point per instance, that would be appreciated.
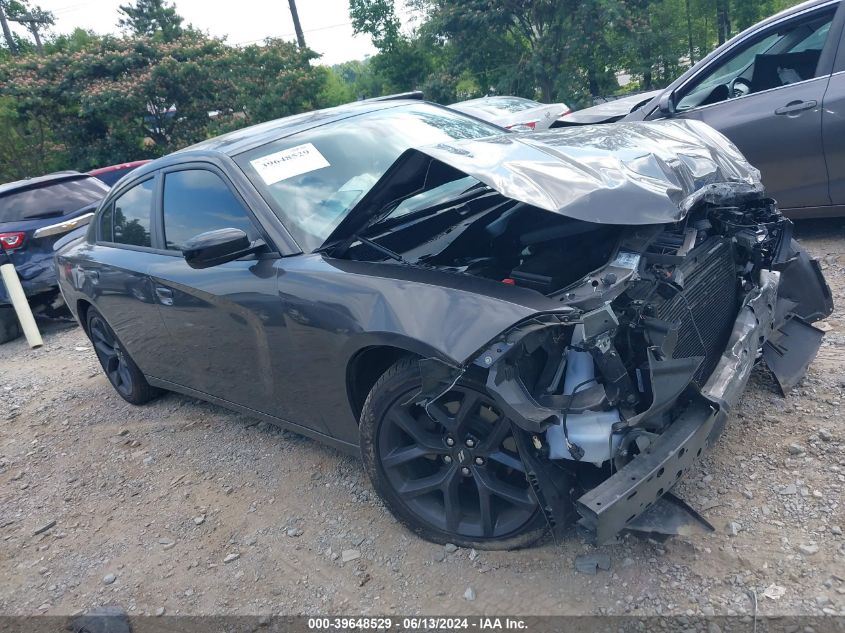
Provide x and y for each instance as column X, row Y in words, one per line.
column 113, row 173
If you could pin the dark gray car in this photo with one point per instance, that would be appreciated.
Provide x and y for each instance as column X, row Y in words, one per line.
column 508, row 327
column 777, row 91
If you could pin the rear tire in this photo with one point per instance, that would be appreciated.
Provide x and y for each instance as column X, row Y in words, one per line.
column 452, row 474
column 10, row 328
column 120, row 369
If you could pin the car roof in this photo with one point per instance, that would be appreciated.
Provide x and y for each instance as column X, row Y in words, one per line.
column 247, row 138
column 49, row 179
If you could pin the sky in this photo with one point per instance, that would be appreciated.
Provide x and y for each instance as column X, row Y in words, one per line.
column 326, row 22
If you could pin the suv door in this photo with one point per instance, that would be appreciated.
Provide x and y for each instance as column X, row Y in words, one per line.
column 766, row 95
column 225, row 323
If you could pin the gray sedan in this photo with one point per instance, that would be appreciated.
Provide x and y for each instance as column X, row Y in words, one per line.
column 777, row 90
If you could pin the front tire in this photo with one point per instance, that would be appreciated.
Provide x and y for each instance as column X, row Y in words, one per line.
column 120, row 369
column 451, row 474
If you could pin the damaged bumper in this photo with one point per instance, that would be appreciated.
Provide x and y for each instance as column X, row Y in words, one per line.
column 614, row 504
column 629, row 497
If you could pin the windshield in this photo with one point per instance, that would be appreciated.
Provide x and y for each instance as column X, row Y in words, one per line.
column 314, row 178
column 50, row 199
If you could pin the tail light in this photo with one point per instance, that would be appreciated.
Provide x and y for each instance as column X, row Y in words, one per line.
column 565, row 112
column 11, row 241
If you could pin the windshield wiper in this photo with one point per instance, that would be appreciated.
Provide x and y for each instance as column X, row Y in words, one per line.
column 381, row 249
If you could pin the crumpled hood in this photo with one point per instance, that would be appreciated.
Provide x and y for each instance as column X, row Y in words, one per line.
column 622, row 173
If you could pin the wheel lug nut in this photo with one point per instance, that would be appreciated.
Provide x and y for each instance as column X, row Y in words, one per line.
column 450, row 441
column 470, row 442
column 447, row 459
column 465, row 471
column 479, row 461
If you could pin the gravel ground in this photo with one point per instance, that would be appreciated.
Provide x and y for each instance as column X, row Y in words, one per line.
column 181, row 507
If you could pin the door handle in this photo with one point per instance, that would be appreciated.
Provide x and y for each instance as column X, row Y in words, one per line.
column 165, row 296
column 793, row 107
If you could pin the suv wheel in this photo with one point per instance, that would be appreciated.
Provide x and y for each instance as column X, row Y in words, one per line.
column 10, row 329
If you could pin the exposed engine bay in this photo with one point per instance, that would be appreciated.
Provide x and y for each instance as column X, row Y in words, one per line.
column 666, row 275
column 618, row 393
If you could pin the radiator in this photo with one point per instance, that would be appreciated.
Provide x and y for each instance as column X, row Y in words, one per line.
column 707, row 307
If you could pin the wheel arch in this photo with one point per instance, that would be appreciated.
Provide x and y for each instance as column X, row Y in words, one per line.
column 372, row 354
column 364, row 369
column 82, row 307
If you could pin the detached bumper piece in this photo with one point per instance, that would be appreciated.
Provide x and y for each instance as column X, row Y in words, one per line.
column 616, row 503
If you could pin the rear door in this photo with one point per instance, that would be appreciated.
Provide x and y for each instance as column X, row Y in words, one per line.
column 115, row 275
column 766, row 95
column 225, row 325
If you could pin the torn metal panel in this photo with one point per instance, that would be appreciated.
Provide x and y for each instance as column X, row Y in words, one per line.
column 752, row 326
column 790, row 350
column 671, row 516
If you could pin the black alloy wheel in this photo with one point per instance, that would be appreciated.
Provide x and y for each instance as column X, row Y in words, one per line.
column 116, row 362
column 450, row 471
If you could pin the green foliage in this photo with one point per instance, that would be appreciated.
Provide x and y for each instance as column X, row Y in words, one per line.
column 92, row 100
column 26, row 145
column 154, row 18
column 104, row 100
column 569, row 50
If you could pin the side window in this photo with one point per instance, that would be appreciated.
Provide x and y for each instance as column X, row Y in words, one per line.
column 132, row 212
column 775, row 58
column 106, row 225
column 197, row 201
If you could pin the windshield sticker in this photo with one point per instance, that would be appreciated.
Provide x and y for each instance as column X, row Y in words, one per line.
column 289, row 163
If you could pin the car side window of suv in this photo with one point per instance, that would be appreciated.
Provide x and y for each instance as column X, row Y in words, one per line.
column 197, row 201
column 131, row 214
column 780, row 56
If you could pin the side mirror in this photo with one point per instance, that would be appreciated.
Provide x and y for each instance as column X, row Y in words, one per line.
column 218, row 247
column 666, row 103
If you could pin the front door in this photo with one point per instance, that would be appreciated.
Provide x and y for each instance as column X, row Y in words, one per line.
column 225, row 323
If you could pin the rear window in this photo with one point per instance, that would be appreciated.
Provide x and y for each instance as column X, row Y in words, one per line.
column 51, row 200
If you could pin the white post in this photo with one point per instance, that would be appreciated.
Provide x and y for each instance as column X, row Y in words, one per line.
column 21, row 305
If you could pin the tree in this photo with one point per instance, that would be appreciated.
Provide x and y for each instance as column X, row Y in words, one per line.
column 116, row 99
column 294, row 14
column 151, row 17
column 7, row 32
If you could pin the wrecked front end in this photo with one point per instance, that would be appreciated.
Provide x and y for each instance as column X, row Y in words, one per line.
column 616, row 399
column 668, row 275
